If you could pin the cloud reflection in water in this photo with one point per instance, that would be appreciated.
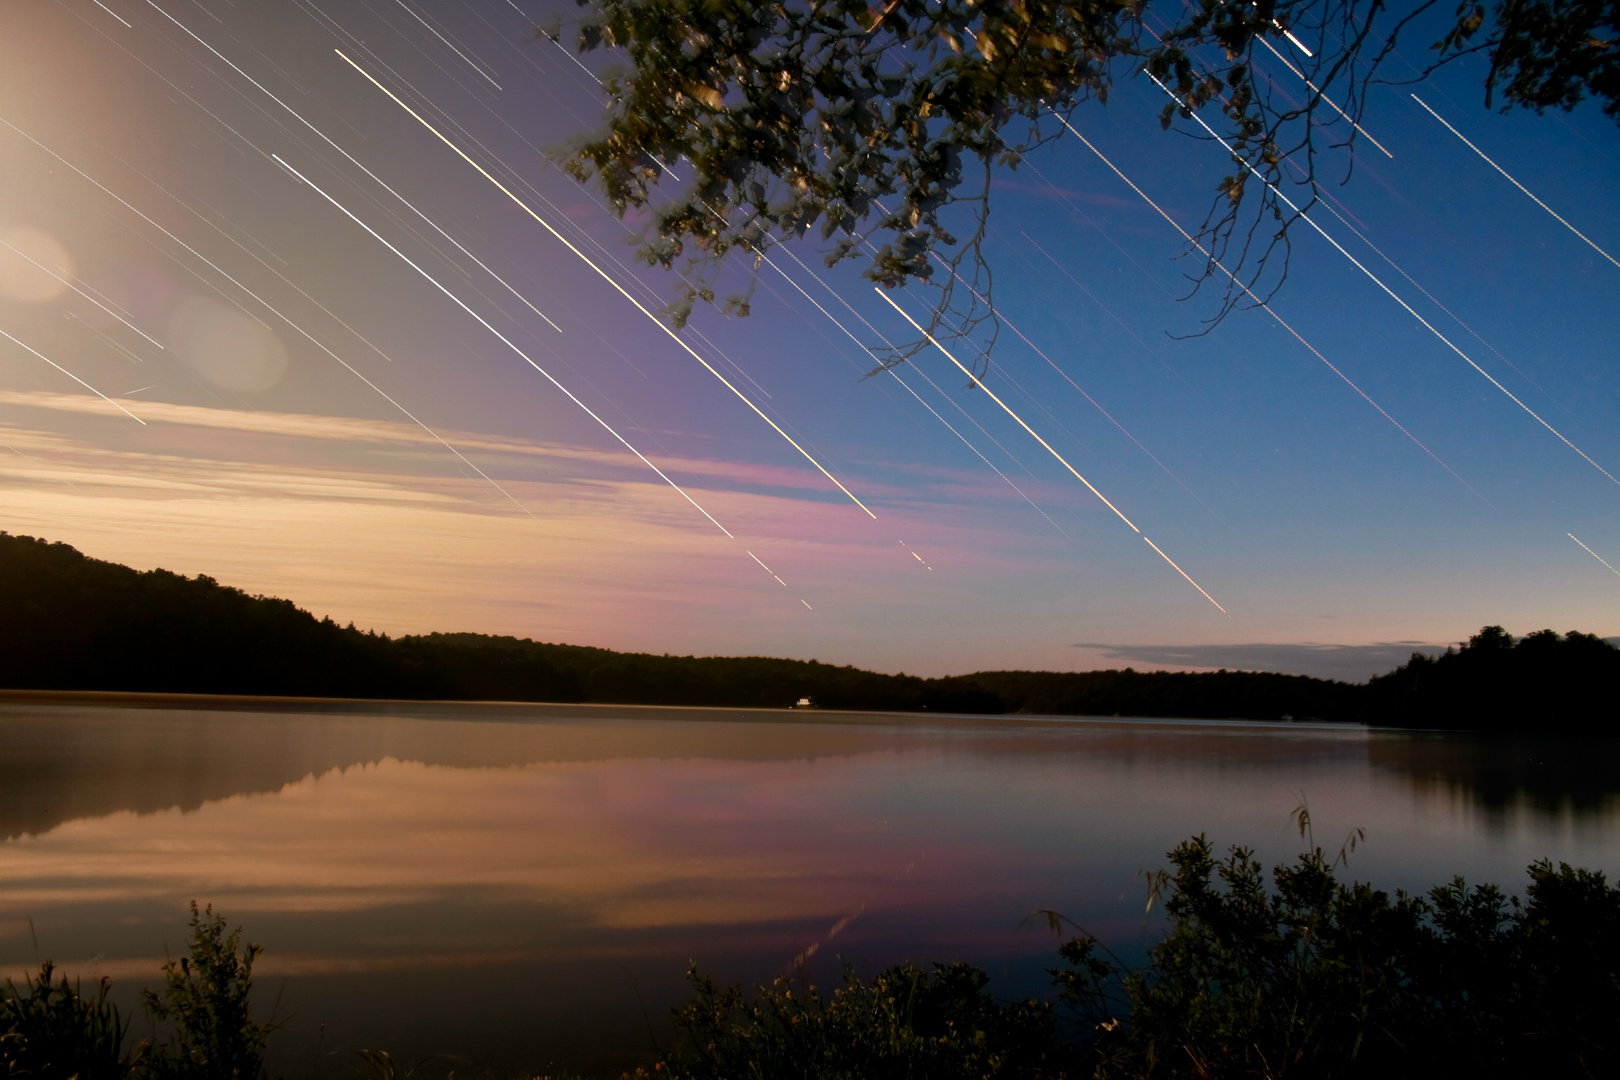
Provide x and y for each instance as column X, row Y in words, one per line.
column 391, row 844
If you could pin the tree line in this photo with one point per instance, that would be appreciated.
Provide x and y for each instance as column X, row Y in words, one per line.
column 70, row 622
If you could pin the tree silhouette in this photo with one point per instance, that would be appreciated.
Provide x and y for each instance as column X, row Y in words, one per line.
column 868, row 123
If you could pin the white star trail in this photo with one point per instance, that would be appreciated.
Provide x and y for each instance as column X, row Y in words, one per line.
column 1005, row 321
column 907, row 386
column 1594, row 554
column 111, row 12
column 602, row 252
column 268, row 306
column 517, row 177
column 1264, row 306
column 1393, row 295
column 74, row 377
column 215, row 117
column 1064, row 270
column 1089, row 220
column 420, row 214
column 106, row 339
column 447, row 43
column 1289, row 34
column 1514, row 182
column 656, row 321
column 1393, row 265
column 889, row 368
column 767, row 569
column 323, row 137
column 1004, row 372
column 504, row 340
column 1036, row 436
column 916, row 556
column 1065, row 375
column 81, row 292
column 1320, row 94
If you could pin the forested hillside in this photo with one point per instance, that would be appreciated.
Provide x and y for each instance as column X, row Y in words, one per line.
column 70, row 622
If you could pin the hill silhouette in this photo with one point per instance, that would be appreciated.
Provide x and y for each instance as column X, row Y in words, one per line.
column 71, row 622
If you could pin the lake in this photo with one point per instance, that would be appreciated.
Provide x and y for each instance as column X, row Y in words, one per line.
column 514, row 886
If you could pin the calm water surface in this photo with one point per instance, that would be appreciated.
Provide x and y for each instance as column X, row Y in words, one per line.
column 520, row 885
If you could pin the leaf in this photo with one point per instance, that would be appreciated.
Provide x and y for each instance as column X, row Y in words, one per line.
column 708, row 95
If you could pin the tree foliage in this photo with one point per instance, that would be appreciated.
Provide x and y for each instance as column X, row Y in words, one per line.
column 1544, row 54
column 1316, row 978
column 76, row 623
column 866, row 124
column 1541, row 682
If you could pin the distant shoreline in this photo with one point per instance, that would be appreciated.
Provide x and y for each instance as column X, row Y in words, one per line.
column 117, row 636
column 606, row 711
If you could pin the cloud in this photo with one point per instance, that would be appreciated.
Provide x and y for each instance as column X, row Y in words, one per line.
column 401, row 434
column 622, row 845
column 1351, row 663
column 382, row 527
column 373, row 521
column 406, row 448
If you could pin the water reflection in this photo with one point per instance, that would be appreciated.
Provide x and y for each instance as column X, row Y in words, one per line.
column 1500, row 772
column 518, row 884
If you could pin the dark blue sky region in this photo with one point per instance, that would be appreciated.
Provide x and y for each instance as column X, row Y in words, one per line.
column 320, row 419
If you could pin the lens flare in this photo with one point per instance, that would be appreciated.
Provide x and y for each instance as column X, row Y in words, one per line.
column 63, row 273
column 267, row 305
column 323, row 137
column 230, row 350
column 26, row 273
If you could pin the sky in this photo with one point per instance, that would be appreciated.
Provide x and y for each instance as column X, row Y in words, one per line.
column 263, row 324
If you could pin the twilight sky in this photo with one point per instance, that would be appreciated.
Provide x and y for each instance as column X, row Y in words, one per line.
column 317, row 420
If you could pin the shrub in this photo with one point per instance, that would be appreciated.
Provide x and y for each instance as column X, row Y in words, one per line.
column 51, row 1029
column 1321, row 979
column 206, row 995
column 905, row 1022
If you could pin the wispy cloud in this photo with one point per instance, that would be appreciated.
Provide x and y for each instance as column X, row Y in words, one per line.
column 934, row 481
column 1352, row 663
column 377, row 525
